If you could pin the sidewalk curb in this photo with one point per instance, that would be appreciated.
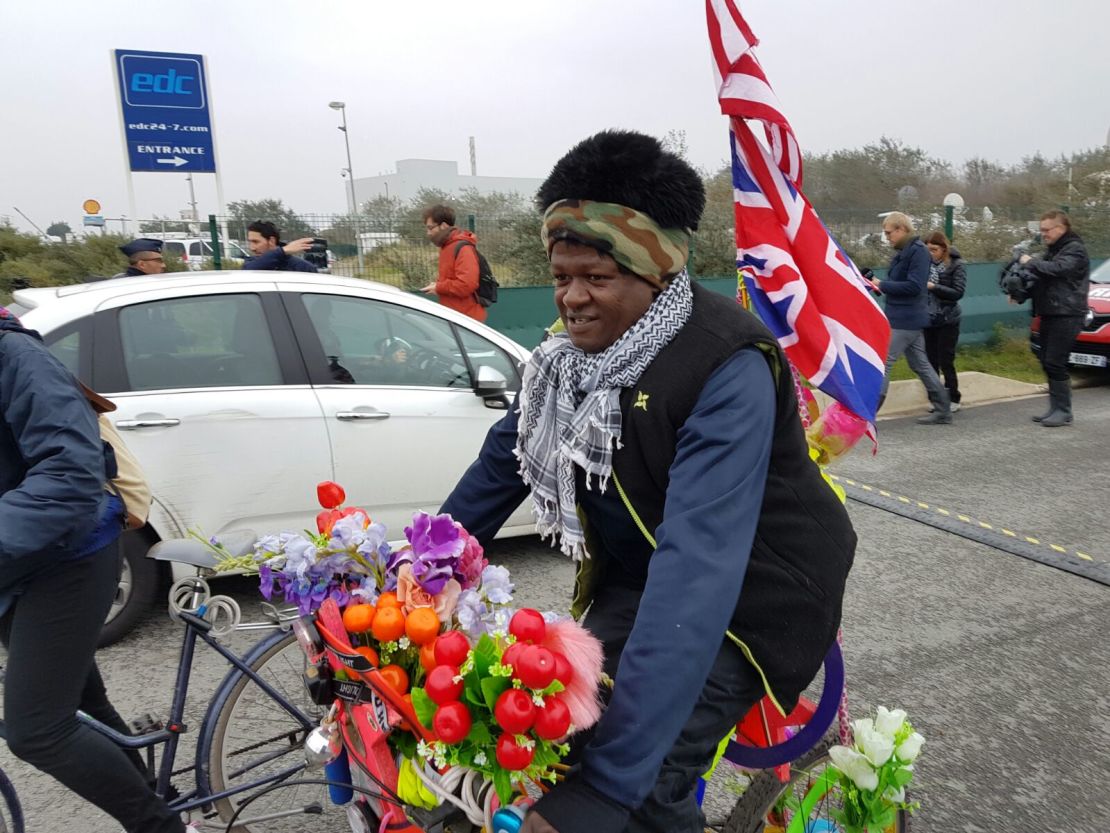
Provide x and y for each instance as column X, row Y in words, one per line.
column 908, row 396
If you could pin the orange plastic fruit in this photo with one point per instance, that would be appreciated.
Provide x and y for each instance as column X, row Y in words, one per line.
column 389, row 624
column 358, row 618
column 370, row 654
column 396, row 677
column 428, row 656
column 388, row 599
column 422, row 625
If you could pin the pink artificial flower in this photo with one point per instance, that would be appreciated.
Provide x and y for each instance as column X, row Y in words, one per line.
column 471, row 563
column 411, row 595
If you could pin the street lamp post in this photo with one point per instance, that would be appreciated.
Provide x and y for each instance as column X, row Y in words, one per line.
column 342, row 108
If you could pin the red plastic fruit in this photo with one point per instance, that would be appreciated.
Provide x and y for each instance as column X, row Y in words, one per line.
column 527, row 625
column 536, row 667
column 510, row 754
column 330, row 495
column 564, row 671
column 326, row 519
column 451, row 648
column 441, row 686
column 512, row 654
column 515, row 712
column 452, row 722
column 552, row 720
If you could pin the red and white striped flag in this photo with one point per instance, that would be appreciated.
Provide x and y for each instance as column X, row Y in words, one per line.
column 802, row 284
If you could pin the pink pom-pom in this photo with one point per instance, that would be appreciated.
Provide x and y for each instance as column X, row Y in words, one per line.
column 584, row 653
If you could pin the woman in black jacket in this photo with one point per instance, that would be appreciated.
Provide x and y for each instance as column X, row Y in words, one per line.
column 947, row 281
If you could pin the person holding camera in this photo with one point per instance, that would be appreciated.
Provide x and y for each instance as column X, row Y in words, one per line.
column 946, row 285
column 1060, row 281
column 271, row 254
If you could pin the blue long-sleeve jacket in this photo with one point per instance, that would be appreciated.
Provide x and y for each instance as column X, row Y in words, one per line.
column 907, row 299
column 276, row 260
column 51, row 456
column 714, row 495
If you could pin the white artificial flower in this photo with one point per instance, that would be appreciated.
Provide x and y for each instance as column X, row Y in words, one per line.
column 910, row 748
column 876, row 746
column 889, row 722
column 895, row 795
column 855, row 766
column 864, row 724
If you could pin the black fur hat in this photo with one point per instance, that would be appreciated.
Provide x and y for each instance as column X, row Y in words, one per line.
column 632, row 169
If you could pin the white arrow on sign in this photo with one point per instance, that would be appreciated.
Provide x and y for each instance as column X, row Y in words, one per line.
column 177, row 161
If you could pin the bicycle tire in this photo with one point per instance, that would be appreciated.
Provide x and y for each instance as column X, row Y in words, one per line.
column 749, row 815
column 252, row 736
column 11, row 814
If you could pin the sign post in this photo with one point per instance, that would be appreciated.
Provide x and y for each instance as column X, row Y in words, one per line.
column 165, row 116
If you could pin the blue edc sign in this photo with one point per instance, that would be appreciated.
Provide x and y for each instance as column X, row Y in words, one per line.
column 164, row 104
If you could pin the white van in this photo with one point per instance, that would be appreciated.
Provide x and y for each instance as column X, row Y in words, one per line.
column 194, row 252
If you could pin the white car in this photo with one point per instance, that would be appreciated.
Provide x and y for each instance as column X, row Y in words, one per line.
column 240, row 391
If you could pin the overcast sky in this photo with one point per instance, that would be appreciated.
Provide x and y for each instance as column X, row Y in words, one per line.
column 994, row 78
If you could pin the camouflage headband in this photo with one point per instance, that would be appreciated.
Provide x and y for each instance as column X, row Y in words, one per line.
column 630, row 237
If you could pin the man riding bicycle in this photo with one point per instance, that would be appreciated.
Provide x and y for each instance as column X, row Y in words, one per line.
column 658, row 440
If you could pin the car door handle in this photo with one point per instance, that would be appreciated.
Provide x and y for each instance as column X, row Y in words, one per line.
column 350, row 416
column 132, row 424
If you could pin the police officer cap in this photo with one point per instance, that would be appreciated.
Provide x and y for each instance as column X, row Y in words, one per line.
column 143, row 244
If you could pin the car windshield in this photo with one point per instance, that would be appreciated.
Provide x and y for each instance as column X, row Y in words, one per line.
column 1102, row 273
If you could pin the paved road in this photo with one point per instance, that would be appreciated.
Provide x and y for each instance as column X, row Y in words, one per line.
column 1002, row 663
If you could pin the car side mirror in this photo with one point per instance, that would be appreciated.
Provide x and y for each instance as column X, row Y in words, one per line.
column 491, row 383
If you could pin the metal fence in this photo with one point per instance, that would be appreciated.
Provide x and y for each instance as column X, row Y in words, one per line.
column 391, row 246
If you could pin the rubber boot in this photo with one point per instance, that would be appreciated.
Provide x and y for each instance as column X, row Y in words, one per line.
column 1048, row 411
column 1059, row 391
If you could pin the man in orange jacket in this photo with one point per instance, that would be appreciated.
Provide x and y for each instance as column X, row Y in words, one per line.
column 457, row 284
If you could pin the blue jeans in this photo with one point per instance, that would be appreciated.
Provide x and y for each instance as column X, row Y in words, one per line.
column 912, row 344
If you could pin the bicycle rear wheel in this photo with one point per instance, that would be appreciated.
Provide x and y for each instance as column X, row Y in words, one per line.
column 253, row 738
column 11, row 813
column 765, row 804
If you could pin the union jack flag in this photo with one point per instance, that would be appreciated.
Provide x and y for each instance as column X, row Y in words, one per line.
column 802, row 284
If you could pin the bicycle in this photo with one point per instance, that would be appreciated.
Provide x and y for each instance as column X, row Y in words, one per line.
column 250, row 745
column 790, row 788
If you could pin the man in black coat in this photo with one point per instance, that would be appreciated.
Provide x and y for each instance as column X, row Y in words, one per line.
column 1061, row 280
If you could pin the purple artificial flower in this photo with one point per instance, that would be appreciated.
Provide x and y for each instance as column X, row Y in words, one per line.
column 266, row 580
column 471, row 612
column 496, row 585
column 436, row 546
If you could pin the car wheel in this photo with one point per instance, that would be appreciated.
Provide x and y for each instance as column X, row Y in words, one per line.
column 137, row 589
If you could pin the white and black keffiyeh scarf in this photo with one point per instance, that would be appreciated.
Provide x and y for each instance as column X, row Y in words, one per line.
column 570, row 411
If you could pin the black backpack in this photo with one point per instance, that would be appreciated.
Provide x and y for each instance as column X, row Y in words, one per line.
column 487, row 283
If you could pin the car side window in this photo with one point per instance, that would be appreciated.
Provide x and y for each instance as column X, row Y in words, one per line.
column 66, row 347
column 484, row 353
column 195, row 249
column 370, row 342
column 173, row 249
column 199, row 342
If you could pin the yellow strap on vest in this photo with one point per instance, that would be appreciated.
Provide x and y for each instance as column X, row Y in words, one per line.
column 733, row 637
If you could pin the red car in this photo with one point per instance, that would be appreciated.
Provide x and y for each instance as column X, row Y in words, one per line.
column 1092, row 347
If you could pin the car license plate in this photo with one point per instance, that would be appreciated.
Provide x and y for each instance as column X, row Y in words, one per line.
column 1087, row 359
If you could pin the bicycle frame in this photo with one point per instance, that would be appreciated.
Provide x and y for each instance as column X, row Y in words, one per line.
column 201, row 796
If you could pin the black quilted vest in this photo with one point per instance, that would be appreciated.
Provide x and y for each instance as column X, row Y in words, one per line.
column 789, row 608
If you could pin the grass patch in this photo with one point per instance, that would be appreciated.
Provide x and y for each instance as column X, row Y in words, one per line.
column 1007, row 354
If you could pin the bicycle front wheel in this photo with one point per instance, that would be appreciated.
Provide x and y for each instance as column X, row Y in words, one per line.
column 253, row 740
column 11, row 813
column 769, row 803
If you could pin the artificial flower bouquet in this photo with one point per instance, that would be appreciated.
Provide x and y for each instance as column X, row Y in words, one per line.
column 496, row 690
column 873, row 773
